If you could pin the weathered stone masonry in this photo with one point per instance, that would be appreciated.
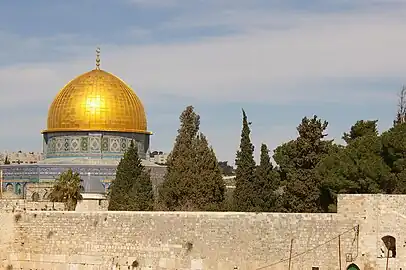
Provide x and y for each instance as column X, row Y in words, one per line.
column 182, row 240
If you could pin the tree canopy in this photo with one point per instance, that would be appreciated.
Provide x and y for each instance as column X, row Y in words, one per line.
column 66, row 189
column 132, row 189
column 244, row 194
column 193, row 180
column 304, row 174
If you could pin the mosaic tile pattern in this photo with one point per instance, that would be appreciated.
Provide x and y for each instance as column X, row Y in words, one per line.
column 95, row 144
column 64, row 146
column 105, row 144
column 75, row 145
column 114, row 145
column 84, row 142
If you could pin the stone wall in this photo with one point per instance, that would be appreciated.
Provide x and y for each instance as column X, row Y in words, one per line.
column 23, row 205
column 38, row 191
column 379, row 216
column 6, row 237
column 175, row 240
column 199, row 240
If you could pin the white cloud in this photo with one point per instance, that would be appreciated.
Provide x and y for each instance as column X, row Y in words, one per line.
column 270, row 64
column 261, row 65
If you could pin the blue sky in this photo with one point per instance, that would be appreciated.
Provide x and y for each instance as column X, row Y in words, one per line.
column 279, row 60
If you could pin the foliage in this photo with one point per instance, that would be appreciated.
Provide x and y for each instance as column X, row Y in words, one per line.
column 310, row 170
column 209, row 185
column 6, row 161
column 67, row 189
column 244, row 193
column 267, row 181
column 297, row 160
column 360, row 129
column 193, row 180
column 394, row 154
column 370, row 163
column 132, row 189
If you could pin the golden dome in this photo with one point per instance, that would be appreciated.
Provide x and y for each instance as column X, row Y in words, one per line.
column 97, row 101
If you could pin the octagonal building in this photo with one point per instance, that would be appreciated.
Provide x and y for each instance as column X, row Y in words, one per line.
column 90, row 125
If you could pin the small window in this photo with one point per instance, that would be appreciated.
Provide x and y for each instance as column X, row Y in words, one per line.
column 315, row 268
column 388, row 249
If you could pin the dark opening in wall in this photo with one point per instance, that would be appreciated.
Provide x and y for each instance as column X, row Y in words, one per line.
column 35, row 197
column 389, row 247
column 315, row 268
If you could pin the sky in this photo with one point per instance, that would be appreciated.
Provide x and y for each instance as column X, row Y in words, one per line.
column 279, row 60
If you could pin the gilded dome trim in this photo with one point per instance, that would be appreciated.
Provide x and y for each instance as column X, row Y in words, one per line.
column 96, row 130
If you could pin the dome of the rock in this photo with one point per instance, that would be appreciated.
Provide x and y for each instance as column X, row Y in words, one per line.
column 92, row 122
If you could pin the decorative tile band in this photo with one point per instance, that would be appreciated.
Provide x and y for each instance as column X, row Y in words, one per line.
column 78, row 145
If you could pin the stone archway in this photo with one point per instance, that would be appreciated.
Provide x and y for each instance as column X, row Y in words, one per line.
column 35, row 197
column 9, row 188
column 353, row 267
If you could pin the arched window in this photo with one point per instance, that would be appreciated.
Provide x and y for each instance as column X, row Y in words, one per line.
column 46, row 195
column 35, row 197
column 352, row 267
column 18, row 189
column 9, row 187
column 389, row 247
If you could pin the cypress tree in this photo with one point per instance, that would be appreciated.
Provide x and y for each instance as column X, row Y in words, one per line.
column 209, row 185
column 245, row 193
column 175, row 192
column 193, row 179
column 132, row 188
column 266, row 183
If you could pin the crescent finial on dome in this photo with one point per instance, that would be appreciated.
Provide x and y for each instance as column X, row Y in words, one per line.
column 98, row 58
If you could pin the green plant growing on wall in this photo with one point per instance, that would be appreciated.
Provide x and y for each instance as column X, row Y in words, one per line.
column 135, row 264
column 17, row 217
column 188, row 246
column 67, row 190
column 132, row 189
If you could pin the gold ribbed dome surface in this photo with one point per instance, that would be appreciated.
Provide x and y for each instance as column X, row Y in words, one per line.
column 97, row 101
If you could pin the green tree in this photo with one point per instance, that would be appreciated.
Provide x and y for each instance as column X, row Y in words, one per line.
column 297, row 160
column 356, row 168
column 245, row 193
column 266, row 183
column 192, row 181
column 67, row 189
column 6, row 161
column 361, row 128
column 208, row 186
column 131, row 190
column 394, row 154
